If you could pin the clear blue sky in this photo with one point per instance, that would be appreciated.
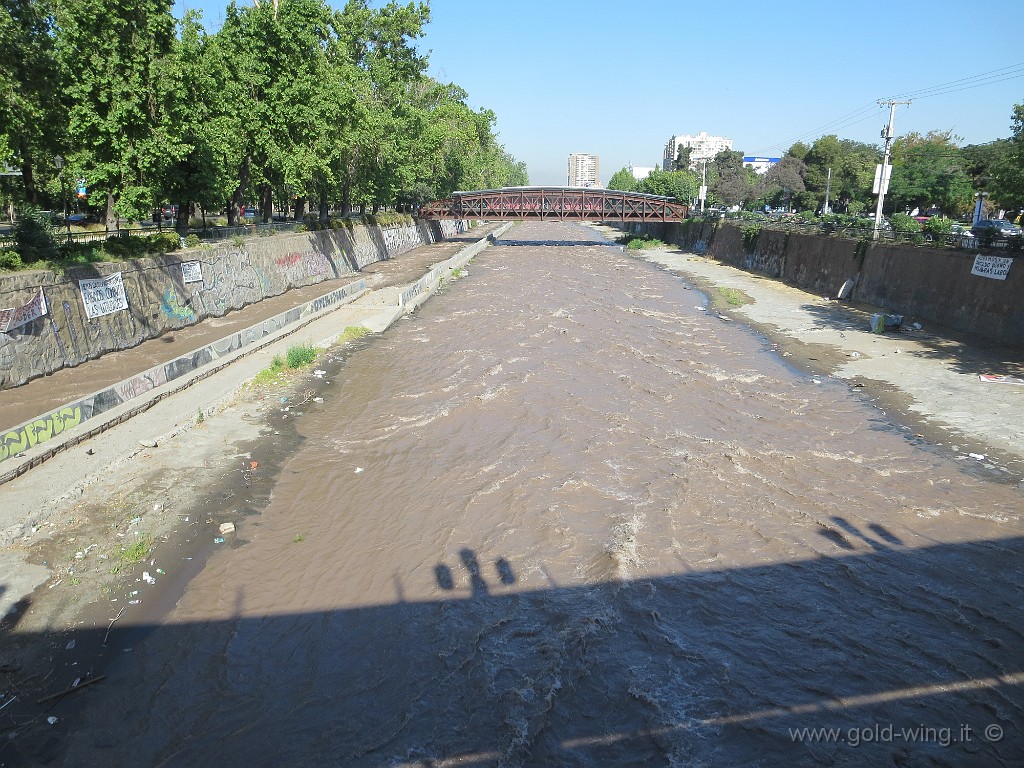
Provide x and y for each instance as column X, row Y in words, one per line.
column 618, row 79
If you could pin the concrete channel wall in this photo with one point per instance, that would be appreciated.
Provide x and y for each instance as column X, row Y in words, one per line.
column 929, row 284
column 162, row 295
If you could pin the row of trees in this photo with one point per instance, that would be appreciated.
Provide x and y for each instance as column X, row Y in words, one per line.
column 290, row 99
column 928, row 171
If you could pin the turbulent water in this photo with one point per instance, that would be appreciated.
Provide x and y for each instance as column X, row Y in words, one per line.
column 563, row 516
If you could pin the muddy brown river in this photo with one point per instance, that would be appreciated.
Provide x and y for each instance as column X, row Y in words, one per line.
column 563, row 515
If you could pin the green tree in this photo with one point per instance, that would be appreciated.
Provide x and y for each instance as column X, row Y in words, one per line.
column 729, row 181
column 623, row 180
column 782, row 182
column 1007, row 166
column 31, row 129
column 929, row 171
column 117, row 92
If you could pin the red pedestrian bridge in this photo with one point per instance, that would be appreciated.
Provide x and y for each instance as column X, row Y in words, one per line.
column 563, row 203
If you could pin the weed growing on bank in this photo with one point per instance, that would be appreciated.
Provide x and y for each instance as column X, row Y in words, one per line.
column 351, row 333
column 298, row 356
column 644, row 244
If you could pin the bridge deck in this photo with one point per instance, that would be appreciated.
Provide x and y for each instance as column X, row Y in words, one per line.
column 572, row 203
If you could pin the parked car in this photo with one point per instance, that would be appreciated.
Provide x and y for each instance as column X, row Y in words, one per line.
column 83, row 218
column 995, row 229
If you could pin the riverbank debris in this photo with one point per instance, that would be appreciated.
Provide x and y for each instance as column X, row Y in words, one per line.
column 76, row 686
column 226, row 528
column 996, row 378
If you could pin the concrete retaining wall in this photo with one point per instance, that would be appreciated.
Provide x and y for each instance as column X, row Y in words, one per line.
column 159, row 300
column 929, row 284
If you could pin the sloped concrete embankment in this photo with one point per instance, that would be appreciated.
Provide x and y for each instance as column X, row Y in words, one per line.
column 931, row 284
column 38, row 439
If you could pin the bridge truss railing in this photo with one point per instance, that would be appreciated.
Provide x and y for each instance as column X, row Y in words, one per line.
column 524, row 203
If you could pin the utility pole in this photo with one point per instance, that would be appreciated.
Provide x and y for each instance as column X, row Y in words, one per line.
column 885, row 170
column 828, row 188
column 703, row 185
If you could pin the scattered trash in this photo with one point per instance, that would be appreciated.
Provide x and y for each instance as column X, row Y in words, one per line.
column 90, row 452
column 318, row 399
column 977, row 456
column 157, row 507
column 284, row 399
column 147, row 443
column 882, row 323
column 917, row 326
column 319, row 374
column 134, row 602
column 358, row 470
column 816, row 381
column 853, row 354
column 226, row 528
column 70, row 645
column 218, row 540
column 147, row 578
column 161, row 571
column 844, row 291
column 994, row 378
column 701, row 309
column 52, row 720
column 134, row 521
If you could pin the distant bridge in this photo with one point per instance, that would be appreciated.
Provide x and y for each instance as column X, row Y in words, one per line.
column 563, row 203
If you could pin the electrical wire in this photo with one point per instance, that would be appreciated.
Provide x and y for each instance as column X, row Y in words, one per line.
column 1010, row 72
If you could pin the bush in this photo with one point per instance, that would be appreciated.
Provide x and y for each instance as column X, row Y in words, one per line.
column 10, row 260
column 33, row 236
column 750, row 235
column 192, row 241
column 938, row 227
column 903, row 222
column 300, row 355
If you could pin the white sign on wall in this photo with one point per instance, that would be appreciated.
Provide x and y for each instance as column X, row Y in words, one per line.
column 996, row 267
column 192, row 272
column 19, row 316
column 103, row 296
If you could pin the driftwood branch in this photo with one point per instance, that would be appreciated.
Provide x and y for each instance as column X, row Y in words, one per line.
column 71, row 689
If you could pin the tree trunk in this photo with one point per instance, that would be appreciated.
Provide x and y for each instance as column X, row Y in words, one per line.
column 346, row 196
column 266, row 203
column 235, row 204
column 110, row 219
column 325, row 208
column 300, row 208
column 27, row 177
column 181, row 222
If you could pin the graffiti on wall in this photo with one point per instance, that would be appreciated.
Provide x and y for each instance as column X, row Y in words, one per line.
column 138, row 385
column 174, row 309
column 18, row 440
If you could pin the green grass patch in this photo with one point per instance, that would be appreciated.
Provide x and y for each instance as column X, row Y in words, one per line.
column 135, row 552
column 644, row 244
column 732, row 297
column 300, row 355
column 351, row 333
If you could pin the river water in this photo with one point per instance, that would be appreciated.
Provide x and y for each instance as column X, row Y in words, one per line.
column 562, row 515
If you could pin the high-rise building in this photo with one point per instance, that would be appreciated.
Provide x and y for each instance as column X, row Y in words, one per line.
column 702, row 146
column 583, row 170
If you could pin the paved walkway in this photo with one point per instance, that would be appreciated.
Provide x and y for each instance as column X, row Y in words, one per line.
column 43, row 395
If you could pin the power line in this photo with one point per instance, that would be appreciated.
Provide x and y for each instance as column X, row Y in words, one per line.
column 1010, row 72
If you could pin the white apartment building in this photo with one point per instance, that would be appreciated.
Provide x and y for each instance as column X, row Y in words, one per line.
column 640, row 172
column 703, row 147
column 583, row 170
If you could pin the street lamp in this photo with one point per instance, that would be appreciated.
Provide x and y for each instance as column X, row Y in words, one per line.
column 58, row 161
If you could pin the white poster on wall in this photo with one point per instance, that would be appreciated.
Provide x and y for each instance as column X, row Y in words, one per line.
column 192, row 272
column 996, row 267
column 19, row 316
column 103, row 296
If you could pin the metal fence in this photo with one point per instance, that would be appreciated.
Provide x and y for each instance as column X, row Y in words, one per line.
column 866, row 232
column 209, row 234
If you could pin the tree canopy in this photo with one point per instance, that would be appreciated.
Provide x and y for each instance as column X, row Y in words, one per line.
column 290, row 100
